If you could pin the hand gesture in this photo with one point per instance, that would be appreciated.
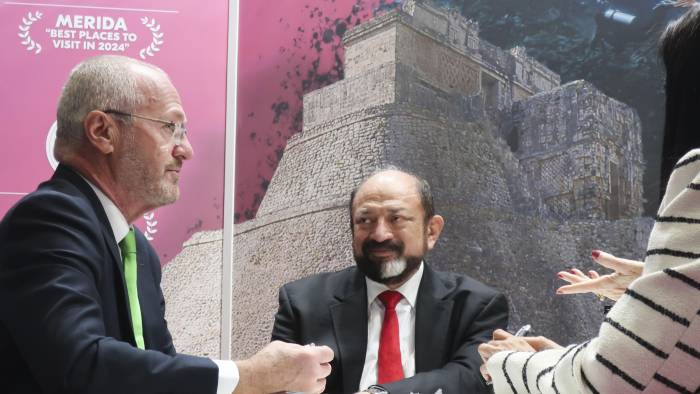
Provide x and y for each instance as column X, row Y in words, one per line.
column 612, row 285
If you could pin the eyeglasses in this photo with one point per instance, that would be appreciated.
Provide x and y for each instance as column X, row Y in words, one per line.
column 177, row 130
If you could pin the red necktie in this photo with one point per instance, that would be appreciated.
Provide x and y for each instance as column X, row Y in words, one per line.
column 389, row 368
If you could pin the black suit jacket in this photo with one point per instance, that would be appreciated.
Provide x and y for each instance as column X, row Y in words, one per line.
column 454, row 314
column 64, row 321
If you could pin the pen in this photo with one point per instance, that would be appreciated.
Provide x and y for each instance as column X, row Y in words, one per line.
column 523, row 331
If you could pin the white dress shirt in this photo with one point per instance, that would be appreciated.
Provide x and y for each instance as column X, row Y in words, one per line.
column 406, row 314
column 228, row 371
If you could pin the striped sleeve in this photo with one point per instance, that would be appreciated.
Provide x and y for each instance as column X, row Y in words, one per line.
column 650, row 340
column 675, row 239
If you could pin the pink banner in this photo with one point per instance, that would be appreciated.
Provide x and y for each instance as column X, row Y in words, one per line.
column 41, row 42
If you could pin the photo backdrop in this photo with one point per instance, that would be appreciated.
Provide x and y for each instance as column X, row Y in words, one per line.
column 288, row 49
column 538, row 124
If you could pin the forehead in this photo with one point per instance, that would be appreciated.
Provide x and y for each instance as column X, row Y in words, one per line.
column 390, row 189
column 159, row 93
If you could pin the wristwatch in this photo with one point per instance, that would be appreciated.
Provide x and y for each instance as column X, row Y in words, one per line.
column 376, row 389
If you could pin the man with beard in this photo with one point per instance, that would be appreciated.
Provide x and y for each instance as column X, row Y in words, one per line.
column 82, row 310
column 395, row 324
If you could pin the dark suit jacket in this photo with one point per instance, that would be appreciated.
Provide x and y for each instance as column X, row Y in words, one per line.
column 454, row 314
column 64, row 322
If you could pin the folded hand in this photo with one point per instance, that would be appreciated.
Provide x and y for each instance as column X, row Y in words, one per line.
column 503, row 340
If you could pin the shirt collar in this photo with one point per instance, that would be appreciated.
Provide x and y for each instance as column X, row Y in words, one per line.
column 408, row 290
column 117, row 221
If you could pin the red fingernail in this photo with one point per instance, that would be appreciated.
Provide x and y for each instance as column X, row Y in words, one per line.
column 560, row 276
column 558, row 291
column 572, row 271
column 595, row 254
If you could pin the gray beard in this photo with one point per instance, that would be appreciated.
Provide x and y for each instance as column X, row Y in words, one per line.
column 393, row 268
column 391, row 272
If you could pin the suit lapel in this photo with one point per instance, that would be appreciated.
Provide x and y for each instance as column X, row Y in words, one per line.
column 349, row 316
column 116, row 258
column 114, row 251
column 70, row 175
column 433, row 313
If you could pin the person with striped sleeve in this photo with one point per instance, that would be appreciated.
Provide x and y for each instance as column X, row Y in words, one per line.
column 649, row 342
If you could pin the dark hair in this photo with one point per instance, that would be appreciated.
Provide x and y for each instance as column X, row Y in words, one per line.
column 680, row 50
column 423, row 187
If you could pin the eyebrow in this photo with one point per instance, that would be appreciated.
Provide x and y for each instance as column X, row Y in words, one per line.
column 365, row 210
column 362, row 210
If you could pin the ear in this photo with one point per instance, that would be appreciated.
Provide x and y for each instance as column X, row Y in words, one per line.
column 100, row 131
column 435, row 225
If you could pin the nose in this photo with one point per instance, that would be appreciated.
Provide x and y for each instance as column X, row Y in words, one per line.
column 381, row 232
column 184, row 149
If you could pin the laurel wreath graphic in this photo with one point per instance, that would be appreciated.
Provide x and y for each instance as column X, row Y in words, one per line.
column 157, row 38
column 150, row 225
column 24, row 32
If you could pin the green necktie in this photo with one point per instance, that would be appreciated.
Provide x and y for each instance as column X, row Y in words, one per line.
column 128, row 247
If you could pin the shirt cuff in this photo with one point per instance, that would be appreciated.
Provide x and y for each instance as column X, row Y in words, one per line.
column 228, row 376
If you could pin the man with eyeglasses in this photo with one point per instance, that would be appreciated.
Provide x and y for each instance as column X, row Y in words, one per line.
column 81, row 309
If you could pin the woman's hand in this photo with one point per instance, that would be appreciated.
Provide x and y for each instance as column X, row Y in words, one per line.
column 503, row 340
column 612, row 285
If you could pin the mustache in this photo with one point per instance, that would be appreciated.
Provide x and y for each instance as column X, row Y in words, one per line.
column 391, row 245
column 174, row 165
